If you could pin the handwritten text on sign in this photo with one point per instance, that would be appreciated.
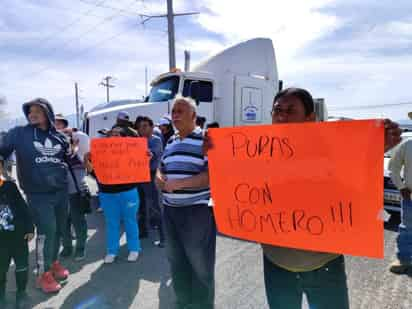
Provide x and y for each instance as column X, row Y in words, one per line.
column 313, row 186
column 120, row 160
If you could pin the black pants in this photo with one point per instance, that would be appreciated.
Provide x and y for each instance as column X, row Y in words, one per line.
column 191, row 251
column 78, row 219
column 13, row 246
column 141, row 214
column 151, row 204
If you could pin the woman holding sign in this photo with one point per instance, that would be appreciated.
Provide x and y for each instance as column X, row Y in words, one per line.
column 120, row 202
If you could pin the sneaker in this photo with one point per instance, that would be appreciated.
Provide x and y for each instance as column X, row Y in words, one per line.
column 58, row 271
column 109, row 259
column 133, row 256
column 47, row 283
column 66, row 252
column 22, row 300
column 399, row 268
column 159, row 243
column 80, row 254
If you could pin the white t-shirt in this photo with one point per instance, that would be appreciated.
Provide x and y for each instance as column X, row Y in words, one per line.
column 83, row 143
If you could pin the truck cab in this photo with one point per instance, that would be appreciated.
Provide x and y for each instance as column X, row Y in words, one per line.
column 196, row 85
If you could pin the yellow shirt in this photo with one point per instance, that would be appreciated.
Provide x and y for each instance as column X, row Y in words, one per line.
column 296, row 260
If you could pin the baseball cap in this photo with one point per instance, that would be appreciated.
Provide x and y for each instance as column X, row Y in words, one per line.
column 123, row 115
column 164, row 121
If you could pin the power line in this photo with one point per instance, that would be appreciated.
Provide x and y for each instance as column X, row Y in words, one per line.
column 66, row 9
column 126, row 13
column 82, row 52
column 361, row 107
column 68, row 26
column 65, row 44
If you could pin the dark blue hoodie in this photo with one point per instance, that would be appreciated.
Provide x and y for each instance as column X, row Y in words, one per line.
column 40, row 155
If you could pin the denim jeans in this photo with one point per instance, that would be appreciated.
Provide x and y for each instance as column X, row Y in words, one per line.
column 191, row 251
column 78, row 219
column 404, row 239
column 50, row 217
column 324, row 287
column 118, row 207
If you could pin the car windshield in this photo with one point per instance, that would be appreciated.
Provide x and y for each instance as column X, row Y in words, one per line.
column 165, row 89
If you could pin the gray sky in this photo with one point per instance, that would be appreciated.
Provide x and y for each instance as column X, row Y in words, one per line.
column 352, row 53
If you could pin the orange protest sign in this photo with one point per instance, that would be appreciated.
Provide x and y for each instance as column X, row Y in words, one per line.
column 120, row 160
column 312, row 186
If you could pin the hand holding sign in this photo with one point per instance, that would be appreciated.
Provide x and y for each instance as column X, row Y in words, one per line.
column 120, row 160
column 313, row 186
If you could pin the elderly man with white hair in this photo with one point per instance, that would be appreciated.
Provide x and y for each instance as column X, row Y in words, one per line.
column 189, row 223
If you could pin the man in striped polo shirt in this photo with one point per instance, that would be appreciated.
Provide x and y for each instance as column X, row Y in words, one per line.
column 189, row 223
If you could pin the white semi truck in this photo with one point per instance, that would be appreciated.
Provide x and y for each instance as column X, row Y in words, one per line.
column 235, row 87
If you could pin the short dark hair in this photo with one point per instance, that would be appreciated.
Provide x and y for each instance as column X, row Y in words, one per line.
column 122, row 131
column 140, row 119
column 303, row 95
column 213, row 124
column 200, row 120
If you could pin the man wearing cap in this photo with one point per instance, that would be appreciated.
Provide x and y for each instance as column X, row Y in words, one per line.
column 166, row 127
column 77, row 189
column 401, row 160
column 41, row 153
column 123, row 121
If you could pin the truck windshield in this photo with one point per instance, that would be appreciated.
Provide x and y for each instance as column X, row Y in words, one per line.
column 165, row 89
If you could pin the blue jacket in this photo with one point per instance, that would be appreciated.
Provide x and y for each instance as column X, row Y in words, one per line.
column 40, row 155
column 156, row 147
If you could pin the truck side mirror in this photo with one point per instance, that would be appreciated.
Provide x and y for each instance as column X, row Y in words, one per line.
column 194, row 91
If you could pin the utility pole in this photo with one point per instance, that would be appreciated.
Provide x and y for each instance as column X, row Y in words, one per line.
column 106, row 83
column 170, row 29
column 187, row 61
column 3, row 103
column 145, row 82
column 76, row 95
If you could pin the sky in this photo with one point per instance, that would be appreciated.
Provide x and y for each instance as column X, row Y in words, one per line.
column 355, row 54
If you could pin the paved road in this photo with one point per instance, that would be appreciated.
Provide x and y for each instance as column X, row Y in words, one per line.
column 239, row 278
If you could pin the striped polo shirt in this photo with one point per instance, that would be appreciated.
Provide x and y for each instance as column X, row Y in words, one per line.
column 184, row 158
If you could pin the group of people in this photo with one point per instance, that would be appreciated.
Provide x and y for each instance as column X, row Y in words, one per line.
column 182, row 212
